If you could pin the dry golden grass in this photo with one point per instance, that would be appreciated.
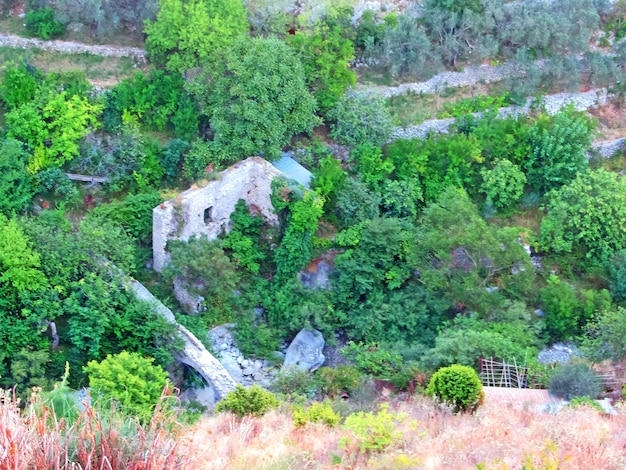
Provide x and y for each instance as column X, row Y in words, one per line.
column 496, row 437
column 493, row 438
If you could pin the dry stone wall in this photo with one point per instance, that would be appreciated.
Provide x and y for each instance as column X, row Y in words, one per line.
column 206, row 210
column 551, row 103
column 70, row 47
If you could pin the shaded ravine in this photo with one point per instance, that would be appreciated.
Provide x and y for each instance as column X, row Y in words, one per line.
column 194, row 354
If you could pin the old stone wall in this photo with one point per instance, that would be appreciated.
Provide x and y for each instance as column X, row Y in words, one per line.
column 70, row 47
column 206, row 210
column 551, row 103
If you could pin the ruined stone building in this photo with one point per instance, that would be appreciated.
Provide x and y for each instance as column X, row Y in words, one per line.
column 206, row 210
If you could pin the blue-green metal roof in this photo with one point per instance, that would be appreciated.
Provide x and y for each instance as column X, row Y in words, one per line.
column 292, row 169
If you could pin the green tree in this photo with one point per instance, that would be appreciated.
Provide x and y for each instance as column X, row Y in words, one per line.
column 53, row 130
column 188, row 34
column 20, row 84
column 458, row 386
column 460, row 255
column 129, row 379
column 503, row 184
column 604, row 335
column 203, row 269
column 19, row 263
column 407, row 51
column 326, row 56
column 257, row 99
column 586, row 218
column 557, row 148
column 361, row 119
column 16, row 188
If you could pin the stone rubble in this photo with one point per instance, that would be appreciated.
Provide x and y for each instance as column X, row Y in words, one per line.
column 244, row 371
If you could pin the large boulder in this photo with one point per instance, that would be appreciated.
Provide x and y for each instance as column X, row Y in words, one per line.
column 305, row 351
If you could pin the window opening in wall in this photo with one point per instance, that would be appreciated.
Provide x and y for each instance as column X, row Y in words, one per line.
column 208, row 215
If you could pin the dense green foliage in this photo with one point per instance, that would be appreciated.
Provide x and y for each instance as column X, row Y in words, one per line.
column 189, row 34
column 129, row 379
column 457, row 386
column 586, row 217
column 413, row 253
column 376, row 431
column 248, row 401
column 42, row 23
column 360, row 119
column 325, row 54
column 574, row 380
column 256, row 99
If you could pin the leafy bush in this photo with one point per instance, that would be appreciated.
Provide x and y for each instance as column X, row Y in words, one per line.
column 617, row 276
column 503, row 184
column 372, row 359
column 294, row 383
column 20, row 84
column 338, row 380
column 604, row 335
column 248, row 401
column 16, row 188
column 374, row 432
column 356, row 203
column 134, row 214
column 369, row 163
column 474, row 105
column 361, row 119
column 316, row 413
column 130, row 379
column 586, row 217
column 458, row 386
column 41, row 23
column 574, row 380
column 558, row 147
column 587, row 402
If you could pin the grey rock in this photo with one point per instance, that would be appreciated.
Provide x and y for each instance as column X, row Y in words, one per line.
column 233, row 368
column 305, row 351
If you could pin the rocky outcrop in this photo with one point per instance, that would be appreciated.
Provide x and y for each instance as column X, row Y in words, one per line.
column 305, row 351
column 194, row 354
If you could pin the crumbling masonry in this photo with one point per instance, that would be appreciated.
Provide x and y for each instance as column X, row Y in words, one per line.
column 206, row 210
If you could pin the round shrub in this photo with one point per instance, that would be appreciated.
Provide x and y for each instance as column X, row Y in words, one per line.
column 41, row 23
column 318, row 412
column 248, row 401
column 130, row 379
column 361, row 119
column 458, row 386
column 574, row 380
